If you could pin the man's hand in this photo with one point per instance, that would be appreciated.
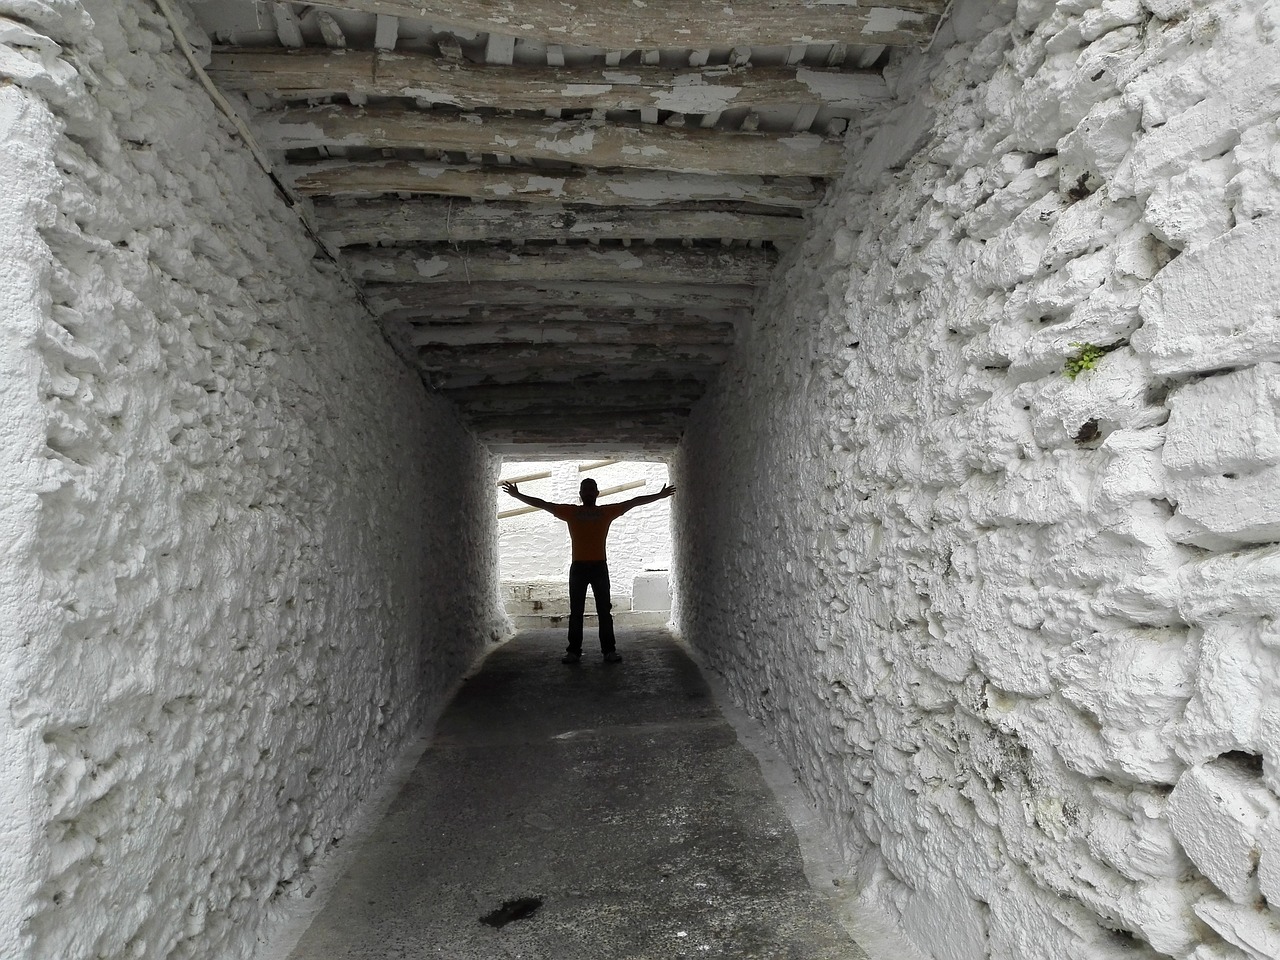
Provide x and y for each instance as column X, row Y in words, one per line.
column 511, row 488
column 667, row 490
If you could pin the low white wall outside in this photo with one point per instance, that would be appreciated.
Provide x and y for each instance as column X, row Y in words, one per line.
column 534, row 547
column 1015, row 631
column 242, row 552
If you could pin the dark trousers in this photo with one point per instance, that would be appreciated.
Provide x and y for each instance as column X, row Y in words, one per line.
column 593, row 573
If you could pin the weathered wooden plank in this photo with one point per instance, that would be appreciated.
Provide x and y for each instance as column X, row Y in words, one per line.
column 584, row 143
column 666, row 334
column 502, row 397
column 524, row 358
column 589, row 441
column 431, row 220
column 399, row 301
column 525, row 313
column 304, row 74
column 590, row 371
column 662, row 421
column 679, row 24
column 445, row 264
column 632, row 188
column 636, row 449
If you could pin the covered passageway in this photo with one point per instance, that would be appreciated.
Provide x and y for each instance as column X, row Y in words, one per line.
column 954, row 324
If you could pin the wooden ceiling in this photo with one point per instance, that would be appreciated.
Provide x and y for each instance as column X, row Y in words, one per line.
column 562, row 209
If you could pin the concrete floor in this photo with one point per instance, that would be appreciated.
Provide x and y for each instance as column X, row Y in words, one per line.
column 596, row 812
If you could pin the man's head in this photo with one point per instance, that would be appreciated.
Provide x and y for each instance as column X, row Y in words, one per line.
column 588, row 491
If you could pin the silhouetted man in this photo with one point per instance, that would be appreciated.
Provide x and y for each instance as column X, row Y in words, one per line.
column 588, row 529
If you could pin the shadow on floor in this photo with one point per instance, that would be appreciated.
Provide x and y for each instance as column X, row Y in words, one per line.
column 600, row 811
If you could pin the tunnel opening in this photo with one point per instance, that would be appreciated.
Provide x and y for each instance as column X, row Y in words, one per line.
column 534, row 548
column 965, row 375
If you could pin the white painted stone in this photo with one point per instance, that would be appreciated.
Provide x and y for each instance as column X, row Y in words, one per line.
column 1190, row 209
column 1269, row 858
column 1256, row 933
column 1217, row 810
column 241, row 577
column 1223, row 454
column 997, row 656
column 27, row 180
column 1215, row 307
column 1225, row 423
column 1235, row 681
column 1201, row 133
column 1245, row 583
column 1134, row 684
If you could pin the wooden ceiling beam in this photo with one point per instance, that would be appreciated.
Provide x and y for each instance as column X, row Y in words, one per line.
column 678, row 24
column 525, row 358
column 579, row 262
column 586, row 373
column 516, row 313
column 583, row 143
column 631, row 188
column 399, row 300
column 662, row 335
column 432, row 220
column 306, row 74
column 663, row 419
column 635, row 449
column 502, row 397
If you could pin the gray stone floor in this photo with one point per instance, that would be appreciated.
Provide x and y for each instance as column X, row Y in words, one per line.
column 609, row 808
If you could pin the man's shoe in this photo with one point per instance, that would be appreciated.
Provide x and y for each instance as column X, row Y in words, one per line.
column 571, row 658
column 612, row 657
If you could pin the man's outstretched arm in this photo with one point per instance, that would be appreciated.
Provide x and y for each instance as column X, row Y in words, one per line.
column 666, row 491
column 512, row 489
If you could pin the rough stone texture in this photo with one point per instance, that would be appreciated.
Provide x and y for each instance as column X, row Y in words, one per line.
column 1013, row 629
column 243, row 552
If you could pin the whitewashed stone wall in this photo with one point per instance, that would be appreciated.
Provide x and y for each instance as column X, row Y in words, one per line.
column 242, row 552
column 535, row 546
column 1016, row 631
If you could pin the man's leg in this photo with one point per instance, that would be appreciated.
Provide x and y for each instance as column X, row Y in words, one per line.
column 579, row 577
column 600, row 590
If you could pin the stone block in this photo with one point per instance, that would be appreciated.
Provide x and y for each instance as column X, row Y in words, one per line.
column 1236, row 675
column 1230, row 509
column 1189, row 209
column 1029, row 189
column 1046, row 490
column 946, row 924
column 1134, row 836
column 651, row 593
column 1223, row 455
column 1245, row 583
column 1110, row 15
column 1215, row 306
column 1227, row 423
column 1255, row 189
column 1088, row 225
column 1269, row 858
column 1252, row 930
column 1098, row 145
column 1134, row 683
column 1217, row 810
column 1203, row 132
column 1114, row 394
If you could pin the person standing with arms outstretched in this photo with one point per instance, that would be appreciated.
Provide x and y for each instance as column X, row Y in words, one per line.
column 588, row 529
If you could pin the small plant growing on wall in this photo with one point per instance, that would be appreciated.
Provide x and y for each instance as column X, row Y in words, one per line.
column 1085, row 358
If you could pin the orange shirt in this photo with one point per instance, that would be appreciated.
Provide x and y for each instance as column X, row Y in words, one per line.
column 588, row 527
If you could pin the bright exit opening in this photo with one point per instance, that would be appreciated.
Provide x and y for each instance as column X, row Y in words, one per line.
column 533, row 546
